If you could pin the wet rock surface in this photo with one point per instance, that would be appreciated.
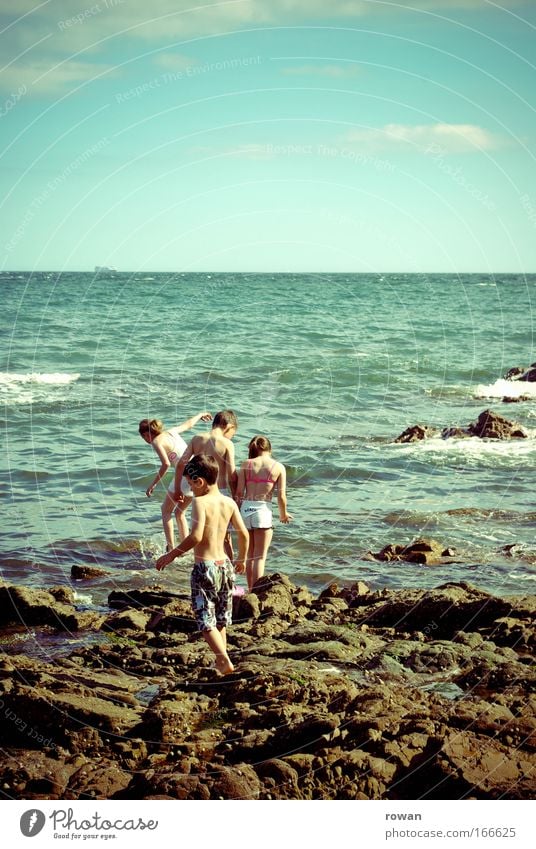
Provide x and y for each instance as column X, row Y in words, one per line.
column 489, row 425
column 355, row 694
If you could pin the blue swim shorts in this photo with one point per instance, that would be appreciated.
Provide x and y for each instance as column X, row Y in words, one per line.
column 212, row 584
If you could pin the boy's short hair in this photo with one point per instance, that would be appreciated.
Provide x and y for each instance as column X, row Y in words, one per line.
column 202, row 466
column 224, row 419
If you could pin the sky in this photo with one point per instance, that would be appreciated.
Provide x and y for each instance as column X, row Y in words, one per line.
column 268, row 135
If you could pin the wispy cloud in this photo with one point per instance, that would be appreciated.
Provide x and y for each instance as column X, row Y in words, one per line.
column 40, row 78
column 175, row 61
column 347, row 70
column 450, row 138
column 54, row 30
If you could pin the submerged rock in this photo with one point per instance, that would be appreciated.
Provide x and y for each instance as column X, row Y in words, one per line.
column 429, row 552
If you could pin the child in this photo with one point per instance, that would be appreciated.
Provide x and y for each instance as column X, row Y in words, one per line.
column 169, row 446
column 217, row 443
column 257, row 480
column 212, row 576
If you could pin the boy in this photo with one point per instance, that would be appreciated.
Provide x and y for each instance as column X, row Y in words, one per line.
column 212, row 574
column 216, row 443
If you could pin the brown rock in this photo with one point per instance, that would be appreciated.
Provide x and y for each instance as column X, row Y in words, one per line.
column 86, row 573
column 415, row 433
column 490, row 425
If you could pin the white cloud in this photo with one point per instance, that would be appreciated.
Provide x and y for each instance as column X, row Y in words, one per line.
column 448, row 138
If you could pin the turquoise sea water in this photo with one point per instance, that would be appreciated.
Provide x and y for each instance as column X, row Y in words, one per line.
column 331, row 367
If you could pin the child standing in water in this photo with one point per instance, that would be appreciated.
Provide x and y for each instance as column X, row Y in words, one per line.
column 257, row 479
column 212, row 576
column 170, row 446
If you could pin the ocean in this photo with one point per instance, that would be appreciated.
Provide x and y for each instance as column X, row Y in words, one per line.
column 331, row 367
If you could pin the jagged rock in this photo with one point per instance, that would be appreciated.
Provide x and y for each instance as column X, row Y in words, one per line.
column 128, row 620
column 429, row 552
column 28, row 606
column 455, row 433
column 490, row 425
column 86, row 573
column 334, row 698
column 472, row 764
column 415, row 433
column 527, row 375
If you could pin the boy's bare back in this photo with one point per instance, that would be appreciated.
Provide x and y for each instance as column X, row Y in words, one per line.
column 220, row 448
column 211, row 515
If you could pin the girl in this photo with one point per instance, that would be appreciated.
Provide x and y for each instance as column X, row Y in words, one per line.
column 257, row 480
column 170, row 447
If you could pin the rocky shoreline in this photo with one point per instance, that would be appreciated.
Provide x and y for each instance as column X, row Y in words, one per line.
column 355, row 694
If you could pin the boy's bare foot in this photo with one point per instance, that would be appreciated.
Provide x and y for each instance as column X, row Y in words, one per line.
column 223, row 666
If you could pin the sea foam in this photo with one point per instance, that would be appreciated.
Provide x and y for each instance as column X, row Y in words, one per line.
column 509, row 388
column 11, row 378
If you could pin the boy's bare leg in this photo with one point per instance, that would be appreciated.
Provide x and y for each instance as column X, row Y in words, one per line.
column 217, row 641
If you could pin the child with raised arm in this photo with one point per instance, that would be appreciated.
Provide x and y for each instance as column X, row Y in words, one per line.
column 216, row 443
column 170, row 447
column 257, row 479
column 212, row 576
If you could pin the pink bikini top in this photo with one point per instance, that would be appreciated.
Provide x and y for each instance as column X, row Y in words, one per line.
column 252, row 478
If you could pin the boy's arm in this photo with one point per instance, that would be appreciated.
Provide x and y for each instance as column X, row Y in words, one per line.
column 191, row 422
column 179, row 471
column 243, row 540
column 194, row 538
column 231, row 469
column 282, row 496
column 165, row 464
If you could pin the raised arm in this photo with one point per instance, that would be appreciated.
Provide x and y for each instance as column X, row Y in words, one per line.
column 243, row 540
column 189, row 423
column 165, row 464
column 179, row 471
column 194, row 538
column 281, row 484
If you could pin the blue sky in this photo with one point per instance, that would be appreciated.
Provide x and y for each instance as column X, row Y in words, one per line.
column 268, row 135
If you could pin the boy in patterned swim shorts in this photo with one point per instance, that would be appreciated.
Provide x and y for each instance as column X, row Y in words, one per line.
column 213, row 574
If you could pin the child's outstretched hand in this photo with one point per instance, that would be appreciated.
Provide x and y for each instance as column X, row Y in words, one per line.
column 206, row 417
column 164, row 560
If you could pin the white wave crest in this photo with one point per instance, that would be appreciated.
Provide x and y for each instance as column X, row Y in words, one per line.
column 8, row 378
column 475, row 452
column 508, row 388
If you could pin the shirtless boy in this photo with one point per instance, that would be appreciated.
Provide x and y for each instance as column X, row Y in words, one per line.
column 216, row 443
column 212, row 575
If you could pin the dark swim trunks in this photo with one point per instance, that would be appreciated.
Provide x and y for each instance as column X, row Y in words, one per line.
column 212, row 584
